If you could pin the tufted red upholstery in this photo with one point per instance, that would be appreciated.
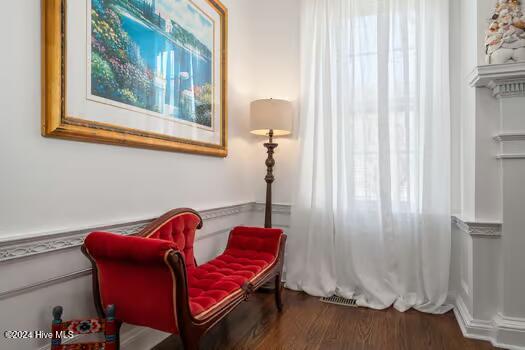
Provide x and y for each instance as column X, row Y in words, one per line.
column 180, row 230
column 134, row 276
column 249, row 252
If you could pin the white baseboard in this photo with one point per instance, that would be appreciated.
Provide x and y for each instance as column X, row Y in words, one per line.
column 503, row 332
column 470, row 327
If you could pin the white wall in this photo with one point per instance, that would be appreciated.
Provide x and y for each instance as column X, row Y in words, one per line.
column 275, row 58
column 49, row 185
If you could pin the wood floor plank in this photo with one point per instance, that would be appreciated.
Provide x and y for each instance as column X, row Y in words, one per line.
column 308, row 324
column 298, row 317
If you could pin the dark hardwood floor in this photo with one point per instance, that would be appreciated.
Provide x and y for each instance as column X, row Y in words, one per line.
column 306, row 323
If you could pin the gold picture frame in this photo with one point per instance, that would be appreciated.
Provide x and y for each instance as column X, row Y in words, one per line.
column 56, row 123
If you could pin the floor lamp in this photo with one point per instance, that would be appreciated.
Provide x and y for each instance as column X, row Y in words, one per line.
column 271, row 118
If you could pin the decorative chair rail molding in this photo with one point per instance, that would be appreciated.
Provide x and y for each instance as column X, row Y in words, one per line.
column 505, row 80
column 226, row 211
column 23, row 247
column 45, row 243
column 276, row 208
column 479, row 229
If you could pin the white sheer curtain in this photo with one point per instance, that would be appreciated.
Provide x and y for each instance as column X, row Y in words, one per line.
column 371, row 215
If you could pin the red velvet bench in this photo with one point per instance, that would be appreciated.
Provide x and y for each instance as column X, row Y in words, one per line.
column 153, row 280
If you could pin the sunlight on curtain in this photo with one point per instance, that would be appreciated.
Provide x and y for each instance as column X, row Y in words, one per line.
column 371, row 216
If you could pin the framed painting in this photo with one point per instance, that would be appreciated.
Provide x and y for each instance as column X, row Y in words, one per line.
column 142, row 73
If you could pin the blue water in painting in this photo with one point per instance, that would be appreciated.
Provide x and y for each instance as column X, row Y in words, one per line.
column 181, row 68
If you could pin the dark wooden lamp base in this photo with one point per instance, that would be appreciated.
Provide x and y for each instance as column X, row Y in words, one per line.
column 269, row 178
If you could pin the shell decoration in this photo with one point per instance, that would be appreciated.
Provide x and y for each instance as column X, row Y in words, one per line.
column 506, row 31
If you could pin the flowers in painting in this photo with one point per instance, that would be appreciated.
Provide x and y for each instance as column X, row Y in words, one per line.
column 203, row 93
column 116, row 71
column 141, row 57
column 197, row 103
column 203, row 96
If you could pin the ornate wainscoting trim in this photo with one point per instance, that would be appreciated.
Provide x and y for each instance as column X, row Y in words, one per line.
column 276, row 208
column 29, row 246
column 505, row 80
column 45, row 243
column 226, row 211
column 25, row 247
column 479, row 229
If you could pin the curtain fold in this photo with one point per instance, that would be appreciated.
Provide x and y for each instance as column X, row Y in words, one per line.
column 371, row 216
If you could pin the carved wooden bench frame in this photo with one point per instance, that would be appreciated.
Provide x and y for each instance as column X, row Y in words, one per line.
column 192, row 328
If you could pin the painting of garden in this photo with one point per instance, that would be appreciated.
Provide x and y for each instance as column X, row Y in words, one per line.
column 156, row 55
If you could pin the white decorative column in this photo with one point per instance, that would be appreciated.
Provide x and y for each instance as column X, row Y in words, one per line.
column 507, row 83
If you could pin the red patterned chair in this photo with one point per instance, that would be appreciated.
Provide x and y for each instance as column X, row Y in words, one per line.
column 109, row 326
column 153, row 280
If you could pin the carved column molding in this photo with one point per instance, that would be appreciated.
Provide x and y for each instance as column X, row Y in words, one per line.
column 507, row 83
column 507, row 88
column 505, row 80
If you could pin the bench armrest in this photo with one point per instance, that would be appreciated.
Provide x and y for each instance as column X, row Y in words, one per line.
column 135, row 275
column 105, row 245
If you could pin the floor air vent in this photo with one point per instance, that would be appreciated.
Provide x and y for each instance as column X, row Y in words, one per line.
column 339, row 301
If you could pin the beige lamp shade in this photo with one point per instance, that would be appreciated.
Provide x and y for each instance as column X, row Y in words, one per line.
column 271, row 114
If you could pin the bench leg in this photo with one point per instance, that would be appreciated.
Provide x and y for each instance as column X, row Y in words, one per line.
column 278, row 289
column 189, row 343
column 191, row 337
